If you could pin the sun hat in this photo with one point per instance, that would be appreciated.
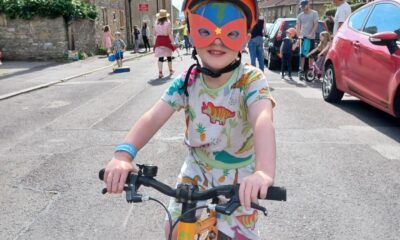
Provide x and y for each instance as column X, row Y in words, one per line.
column 162, row 14
column 292, row 31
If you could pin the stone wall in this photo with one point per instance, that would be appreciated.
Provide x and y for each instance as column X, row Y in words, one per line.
column 38, row 38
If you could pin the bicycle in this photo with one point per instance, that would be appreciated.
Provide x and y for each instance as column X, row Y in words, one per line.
column 189, row 227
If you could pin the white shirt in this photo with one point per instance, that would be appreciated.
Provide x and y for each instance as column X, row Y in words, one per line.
column 342, row 13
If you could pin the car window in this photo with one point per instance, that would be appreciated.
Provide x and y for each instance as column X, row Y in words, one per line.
column 356, row 21
column 276, row 27
column 385, row 17
column 288, row 24
column 320, row 29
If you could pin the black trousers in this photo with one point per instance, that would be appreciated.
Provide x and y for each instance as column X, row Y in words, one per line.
column 287, row 61
column 146, row 42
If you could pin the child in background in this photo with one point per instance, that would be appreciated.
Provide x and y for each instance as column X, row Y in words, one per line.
column 119, row 48
column 286, row 52
column 321, row 50
column 228, row 115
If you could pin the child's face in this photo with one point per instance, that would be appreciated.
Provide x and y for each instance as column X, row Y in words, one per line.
column 222, row 21
column 216, row 56
column 322, row 37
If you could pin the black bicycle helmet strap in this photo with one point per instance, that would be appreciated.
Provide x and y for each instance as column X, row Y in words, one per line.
column 207, row 71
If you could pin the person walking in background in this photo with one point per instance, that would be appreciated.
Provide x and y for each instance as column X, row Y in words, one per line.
column 107, row 39
column 145, row 36
column 136, row 34
column 119, row 48
column 306, row 27
column 186, row 38
column 164, row 41
column 343, row 11
column 256, row 44
column 286, row 52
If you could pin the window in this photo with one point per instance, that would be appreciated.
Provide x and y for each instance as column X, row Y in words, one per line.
column 105, row 16
column 384, row 18
column 357, row 20
column 291, row 9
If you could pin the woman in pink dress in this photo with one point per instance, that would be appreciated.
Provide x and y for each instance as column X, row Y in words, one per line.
column 107, row 39
column 164, row 42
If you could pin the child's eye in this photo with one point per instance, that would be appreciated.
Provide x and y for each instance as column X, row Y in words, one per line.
column 204, row 32
column 234, row 34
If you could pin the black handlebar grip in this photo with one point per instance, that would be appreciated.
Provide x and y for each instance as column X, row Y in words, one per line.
column 276, row 193
column 101, row 174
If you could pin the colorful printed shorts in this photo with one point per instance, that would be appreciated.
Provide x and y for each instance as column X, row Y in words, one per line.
column 241, row 224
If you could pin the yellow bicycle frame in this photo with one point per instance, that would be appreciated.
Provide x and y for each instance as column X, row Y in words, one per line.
column 188, row 231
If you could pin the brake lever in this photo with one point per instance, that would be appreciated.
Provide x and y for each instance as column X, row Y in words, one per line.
column 231, row 206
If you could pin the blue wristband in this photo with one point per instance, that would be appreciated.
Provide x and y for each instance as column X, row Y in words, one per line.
column 128, row 148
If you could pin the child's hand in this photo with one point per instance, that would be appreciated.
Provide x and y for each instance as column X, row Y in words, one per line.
column 117, row 171
column 251, row 186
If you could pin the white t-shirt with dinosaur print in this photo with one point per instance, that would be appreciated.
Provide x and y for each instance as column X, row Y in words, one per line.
column 218, row 130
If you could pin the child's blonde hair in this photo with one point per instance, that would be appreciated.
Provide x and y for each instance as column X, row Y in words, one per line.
column 323, row 44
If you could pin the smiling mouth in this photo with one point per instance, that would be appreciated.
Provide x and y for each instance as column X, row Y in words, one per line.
column 216, row 52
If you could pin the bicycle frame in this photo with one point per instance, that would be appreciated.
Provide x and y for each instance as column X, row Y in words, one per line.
column 188, row 231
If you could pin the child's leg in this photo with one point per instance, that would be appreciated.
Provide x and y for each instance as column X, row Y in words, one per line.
column 289, row 66
column 241, row 224
column 191, row 173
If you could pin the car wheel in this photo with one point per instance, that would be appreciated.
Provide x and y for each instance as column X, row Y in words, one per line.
column 330, row 92
column 397, row 104
column 271, row 63
column 310, row 75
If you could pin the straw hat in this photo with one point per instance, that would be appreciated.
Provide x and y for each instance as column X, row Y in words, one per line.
column 162, row 14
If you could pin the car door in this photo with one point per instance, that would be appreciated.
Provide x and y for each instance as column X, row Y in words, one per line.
column 347, row 43
column 377, row 66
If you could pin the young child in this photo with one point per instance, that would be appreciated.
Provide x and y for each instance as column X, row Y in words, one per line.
column 119, row 48
column 321, row 50
column 136, row 34
column 228, row 109
column 286, row 52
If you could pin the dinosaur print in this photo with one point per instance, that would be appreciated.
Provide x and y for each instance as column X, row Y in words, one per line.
column 247, row 78
column 225, row 157
column 248, row 221
column 216, row 114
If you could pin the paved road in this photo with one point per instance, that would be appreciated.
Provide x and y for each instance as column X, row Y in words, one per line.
column 340, row 163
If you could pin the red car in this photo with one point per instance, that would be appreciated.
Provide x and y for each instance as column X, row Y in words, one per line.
column 364, row 59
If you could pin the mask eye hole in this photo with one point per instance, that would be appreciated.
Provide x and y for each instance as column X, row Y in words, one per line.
column 234, row 34
column 204, row 32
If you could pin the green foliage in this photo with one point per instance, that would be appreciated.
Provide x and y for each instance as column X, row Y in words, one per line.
column 69, row 9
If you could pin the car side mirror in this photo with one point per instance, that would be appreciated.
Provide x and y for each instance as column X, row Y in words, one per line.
column 385, row 39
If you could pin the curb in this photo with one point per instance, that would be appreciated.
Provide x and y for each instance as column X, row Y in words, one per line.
column 31, row 89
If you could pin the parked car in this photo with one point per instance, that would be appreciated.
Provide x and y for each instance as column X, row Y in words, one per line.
column 364, row 59
column 268, row 28
column 274, row 39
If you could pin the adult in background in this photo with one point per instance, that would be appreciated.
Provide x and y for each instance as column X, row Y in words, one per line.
column 343, row 11
column 164, row 39
column 306, row 27
column 256, row 44
column 107, row 39
column 136, row 34
column 145, row 36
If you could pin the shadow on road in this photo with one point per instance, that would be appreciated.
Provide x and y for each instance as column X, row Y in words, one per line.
column 381, row 121
column 159, row 81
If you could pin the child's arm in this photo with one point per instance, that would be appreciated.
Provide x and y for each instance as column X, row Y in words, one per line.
column 312, row 52
column 121, row 164
column 281, row 49
column 260, row 115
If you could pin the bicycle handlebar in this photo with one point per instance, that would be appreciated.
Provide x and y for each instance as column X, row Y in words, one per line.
column 274, row 193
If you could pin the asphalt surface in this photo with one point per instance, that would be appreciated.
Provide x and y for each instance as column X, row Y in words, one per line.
column 339, row 163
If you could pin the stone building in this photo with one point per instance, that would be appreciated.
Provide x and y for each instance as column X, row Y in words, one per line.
column 44, row 38
column 273, row 9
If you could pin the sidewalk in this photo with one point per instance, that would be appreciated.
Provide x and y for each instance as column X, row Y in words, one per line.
column 17, row 77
